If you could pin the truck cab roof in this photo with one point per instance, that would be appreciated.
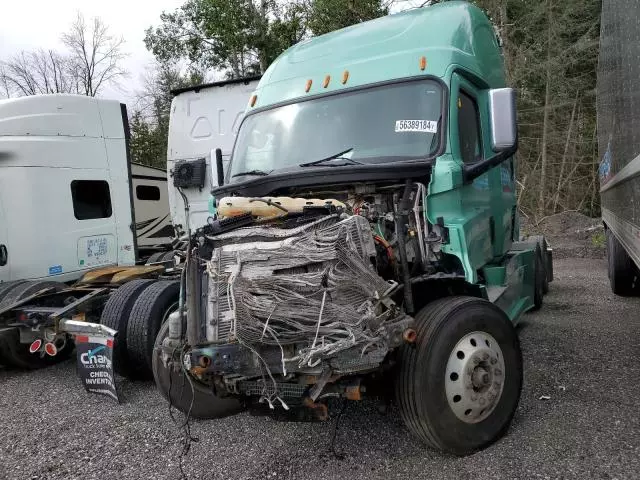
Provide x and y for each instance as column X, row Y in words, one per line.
column 451, row 35
column 61, row 115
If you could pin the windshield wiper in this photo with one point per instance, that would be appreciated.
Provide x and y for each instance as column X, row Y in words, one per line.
column 337, row 156
column 259, row 173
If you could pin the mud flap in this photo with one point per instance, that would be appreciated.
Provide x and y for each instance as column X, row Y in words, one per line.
column 94, row 347
column 95, row 364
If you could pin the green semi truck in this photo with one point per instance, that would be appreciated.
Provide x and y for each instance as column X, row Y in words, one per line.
column 362, row 240
column 364, row 237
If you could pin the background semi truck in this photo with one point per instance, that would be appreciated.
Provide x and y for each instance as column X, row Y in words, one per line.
column 619, row 141
column 70, row 199
column 70, row 208
column 364, row 239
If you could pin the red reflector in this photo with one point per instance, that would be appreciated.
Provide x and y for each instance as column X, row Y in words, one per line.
column 82, row 339
column 51, row 349
column 35, row 346
column 109, row 343
column 22, row 317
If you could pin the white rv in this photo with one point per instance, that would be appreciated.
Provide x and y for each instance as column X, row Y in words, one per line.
column 70, row 199
column 203, row 119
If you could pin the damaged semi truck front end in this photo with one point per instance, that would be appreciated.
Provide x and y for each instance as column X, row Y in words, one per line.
column 365, row 237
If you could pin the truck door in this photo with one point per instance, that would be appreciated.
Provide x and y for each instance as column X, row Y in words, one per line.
column 5, row 268
column 492, row 195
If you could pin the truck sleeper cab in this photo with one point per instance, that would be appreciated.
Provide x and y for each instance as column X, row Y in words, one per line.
column 365, row 238
column 69, row 202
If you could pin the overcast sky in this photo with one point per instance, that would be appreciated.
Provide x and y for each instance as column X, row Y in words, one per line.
column 29, row 24
column 32, row 24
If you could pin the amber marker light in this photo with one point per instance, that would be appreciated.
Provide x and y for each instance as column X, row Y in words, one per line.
column 327, row 79
column 345, row 76
column 308, row 87
column 253, row 100
column 423, row 63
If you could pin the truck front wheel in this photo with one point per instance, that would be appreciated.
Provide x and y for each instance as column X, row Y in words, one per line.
column 459, row 385
column 622, row 271
column 188, row 395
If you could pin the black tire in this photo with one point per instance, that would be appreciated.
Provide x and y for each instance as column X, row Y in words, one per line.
column 539, row 278
column 422, row 375
column 17, row 354
column 168, row 257
column 26, row 289
column 116, row 315
column 621, row 268
column 6, row 287
column 542, row 243
column 175, row 387
column 155, row 257
column 6, row 335
column 148, row 314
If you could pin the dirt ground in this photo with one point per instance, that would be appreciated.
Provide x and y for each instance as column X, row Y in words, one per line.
column 571, row 234
column 577, row 417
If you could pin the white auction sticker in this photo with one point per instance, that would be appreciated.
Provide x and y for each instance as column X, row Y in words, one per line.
column 423, row 126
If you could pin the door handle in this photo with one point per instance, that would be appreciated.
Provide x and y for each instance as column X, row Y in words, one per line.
column 3, row 255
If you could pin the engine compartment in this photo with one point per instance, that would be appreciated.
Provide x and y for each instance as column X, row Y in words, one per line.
column 295, row 297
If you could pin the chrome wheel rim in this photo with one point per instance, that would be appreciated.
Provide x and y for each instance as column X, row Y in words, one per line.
column 475, row 377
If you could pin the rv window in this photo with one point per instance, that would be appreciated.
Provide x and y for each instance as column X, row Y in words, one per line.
column 147, row 192
column 91, row 199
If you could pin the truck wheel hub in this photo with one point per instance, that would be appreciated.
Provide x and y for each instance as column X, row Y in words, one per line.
column 474, row 377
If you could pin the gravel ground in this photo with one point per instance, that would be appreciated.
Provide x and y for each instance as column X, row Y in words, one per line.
column 581, row 350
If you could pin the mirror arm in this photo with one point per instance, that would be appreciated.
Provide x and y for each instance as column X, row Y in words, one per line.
column 472, row 171
column 219, row 167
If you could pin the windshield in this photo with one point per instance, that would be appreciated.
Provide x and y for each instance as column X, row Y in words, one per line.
column 374, row 125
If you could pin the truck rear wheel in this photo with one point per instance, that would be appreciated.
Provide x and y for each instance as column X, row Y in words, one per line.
column 17, row 354
column 155, row 257
column 6, row 287
column 542, row 243
column 539, row 278
column 622, row 271
column 174, row 385
column 149, row 312
column 168, row 257
column 26, row 289
column 459, row 385
column 116, row 315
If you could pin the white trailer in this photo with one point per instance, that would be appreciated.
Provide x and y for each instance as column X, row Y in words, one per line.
column 67, row 193
column 203, row 119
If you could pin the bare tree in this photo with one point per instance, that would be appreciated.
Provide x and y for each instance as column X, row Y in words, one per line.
column 96, row 54
column 4, row 85
column 37, row 72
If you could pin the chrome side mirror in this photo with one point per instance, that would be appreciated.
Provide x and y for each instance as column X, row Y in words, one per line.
column 502, row 112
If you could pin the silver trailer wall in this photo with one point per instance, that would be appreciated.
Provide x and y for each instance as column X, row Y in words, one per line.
column 619, row 121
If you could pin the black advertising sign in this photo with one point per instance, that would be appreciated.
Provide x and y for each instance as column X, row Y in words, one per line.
column 95, row 364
